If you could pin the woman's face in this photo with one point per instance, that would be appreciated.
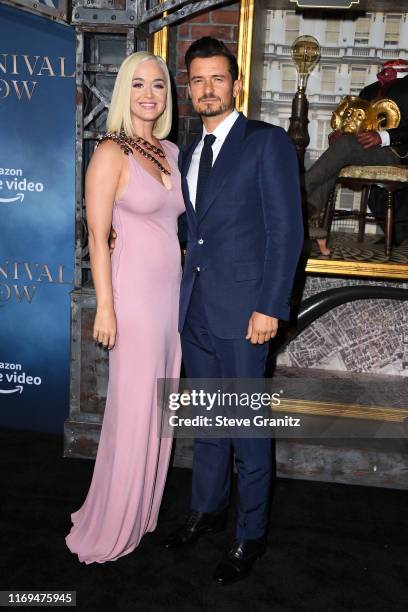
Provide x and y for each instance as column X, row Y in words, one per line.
column 148, row 92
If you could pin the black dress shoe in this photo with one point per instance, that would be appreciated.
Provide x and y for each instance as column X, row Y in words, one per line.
column 197, row 524
column 238, row 561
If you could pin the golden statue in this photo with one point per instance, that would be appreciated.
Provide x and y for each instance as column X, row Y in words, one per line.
column 355, row 115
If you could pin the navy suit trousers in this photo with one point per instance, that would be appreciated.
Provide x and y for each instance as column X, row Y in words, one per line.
column 206, row 356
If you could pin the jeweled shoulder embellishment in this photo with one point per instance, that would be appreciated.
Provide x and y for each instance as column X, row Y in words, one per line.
column 120, row 139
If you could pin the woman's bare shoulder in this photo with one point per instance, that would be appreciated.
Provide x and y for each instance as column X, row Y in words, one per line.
column 110, row 150
column 107, row 156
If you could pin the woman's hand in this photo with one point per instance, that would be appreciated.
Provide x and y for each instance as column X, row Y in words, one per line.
column 112, row 240
column 104, row 331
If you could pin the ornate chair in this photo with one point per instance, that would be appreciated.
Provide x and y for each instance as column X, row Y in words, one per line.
column 362, row 178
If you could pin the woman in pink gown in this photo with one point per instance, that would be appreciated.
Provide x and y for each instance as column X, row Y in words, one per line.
column 132, row 184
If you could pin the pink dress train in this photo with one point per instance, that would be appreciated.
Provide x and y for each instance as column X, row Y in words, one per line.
column 130, row 470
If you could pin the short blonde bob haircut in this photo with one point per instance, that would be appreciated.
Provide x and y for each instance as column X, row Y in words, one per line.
column 119, row 117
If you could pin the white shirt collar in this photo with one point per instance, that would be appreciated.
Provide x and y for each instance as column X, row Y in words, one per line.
column 221, row 131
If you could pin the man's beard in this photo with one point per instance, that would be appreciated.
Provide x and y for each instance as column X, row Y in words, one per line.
column 213, row 112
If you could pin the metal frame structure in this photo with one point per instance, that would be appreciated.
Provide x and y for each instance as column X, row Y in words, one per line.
column 91, row 107
column 137, row 12
column 137, row 21
column 132, row 13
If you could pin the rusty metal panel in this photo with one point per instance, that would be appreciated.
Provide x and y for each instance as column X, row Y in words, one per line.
column 79, row 74
column 89, row 365
column 89, row 377
column 107, row 12
column 353, row 462
column 94, row 369
column 186, row 11
column 137, row 12
column 81, row 439
column 57, row 10
column 356, row 462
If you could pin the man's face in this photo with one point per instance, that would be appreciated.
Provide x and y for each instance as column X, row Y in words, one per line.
column 211, row 87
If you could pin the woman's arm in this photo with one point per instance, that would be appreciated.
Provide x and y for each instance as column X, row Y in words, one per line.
column 101, row 184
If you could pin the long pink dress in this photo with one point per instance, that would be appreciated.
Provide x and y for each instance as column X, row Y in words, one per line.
column 130, row 470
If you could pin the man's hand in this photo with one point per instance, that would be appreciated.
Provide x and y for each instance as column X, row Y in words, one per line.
column 333, row 136
column 112, row 240
column 369, row 139
column 261, row 328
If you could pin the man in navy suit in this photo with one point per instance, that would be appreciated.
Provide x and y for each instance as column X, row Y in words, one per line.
column 244, row 236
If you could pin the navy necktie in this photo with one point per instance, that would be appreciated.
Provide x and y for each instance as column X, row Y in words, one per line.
column 204, row 170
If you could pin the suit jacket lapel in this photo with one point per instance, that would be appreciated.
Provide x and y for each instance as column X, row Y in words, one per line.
column 185, row 161
column 225, row 163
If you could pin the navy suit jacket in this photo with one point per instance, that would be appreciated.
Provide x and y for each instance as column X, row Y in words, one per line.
column 249, row 234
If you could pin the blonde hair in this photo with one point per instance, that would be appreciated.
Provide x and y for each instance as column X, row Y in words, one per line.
column 119, row 117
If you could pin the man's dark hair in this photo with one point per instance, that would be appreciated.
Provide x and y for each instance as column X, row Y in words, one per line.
column 211, row 47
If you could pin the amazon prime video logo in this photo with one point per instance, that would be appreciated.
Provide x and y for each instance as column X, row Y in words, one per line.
column 13, row 379
column 14, row 186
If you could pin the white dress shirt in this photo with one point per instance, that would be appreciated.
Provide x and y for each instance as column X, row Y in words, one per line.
column 220, row 133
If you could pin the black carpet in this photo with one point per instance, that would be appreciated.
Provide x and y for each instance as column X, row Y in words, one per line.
column 331, row 547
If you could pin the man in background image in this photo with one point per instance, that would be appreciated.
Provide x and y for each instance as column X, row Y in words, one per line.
column 375, row 148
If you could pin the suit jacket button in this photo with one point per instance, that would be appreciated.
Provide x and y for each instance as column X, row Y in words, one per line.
column 201, row 241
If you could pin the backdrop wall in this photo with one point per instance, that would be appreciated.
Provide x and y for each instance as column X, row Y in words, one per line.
column 37, row 218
